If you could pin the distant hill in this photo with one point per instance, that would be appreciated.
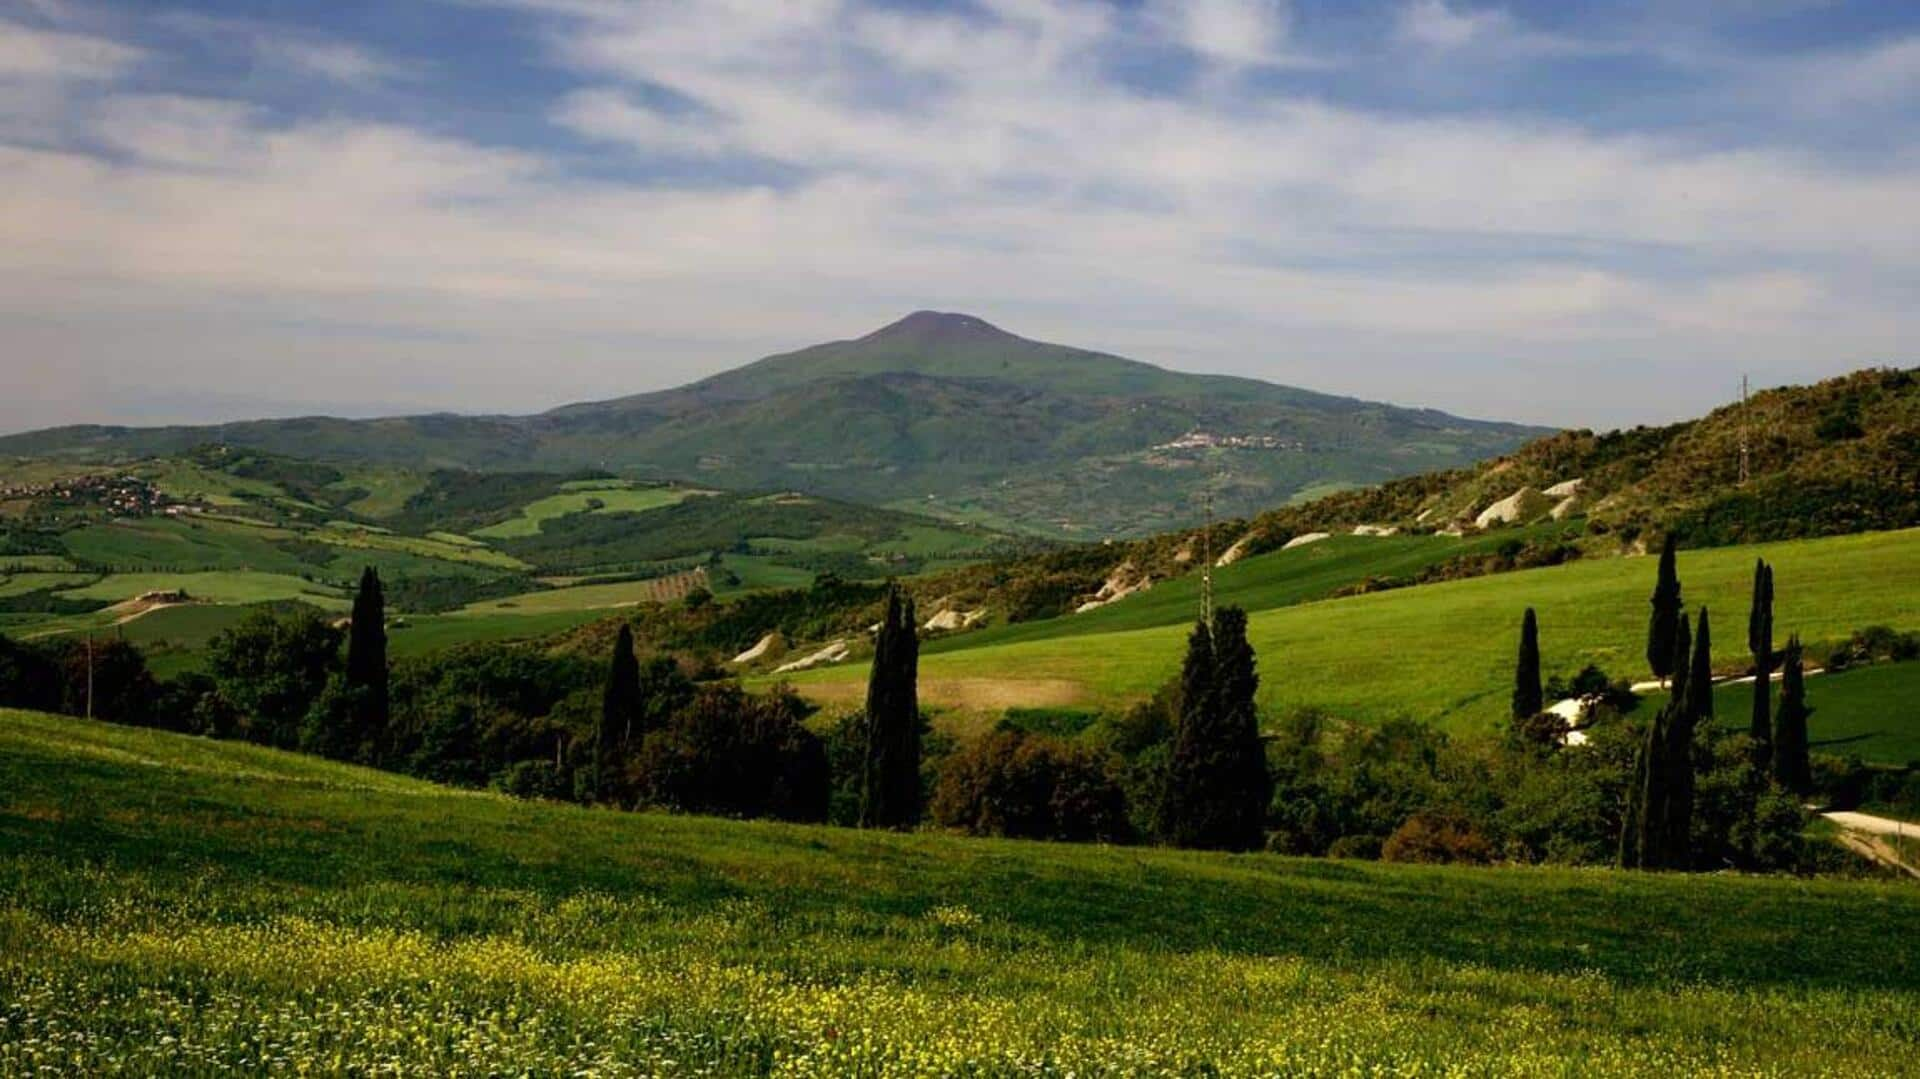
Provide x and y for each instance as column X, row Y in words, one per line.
column 1835, row 457
column 941, row 413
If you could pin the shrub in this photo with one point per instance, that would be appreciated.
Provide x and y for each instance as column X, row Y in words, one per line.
column 737, row 755
column 1009, row 783
column 1437, row 837
column 1365, row 847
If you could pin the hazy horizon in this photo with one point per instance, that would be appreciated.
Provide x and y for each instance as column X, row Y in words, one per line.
column 1570, row 215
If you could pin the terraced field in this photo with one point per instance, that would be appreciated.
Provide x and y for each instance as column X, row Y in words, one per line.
column 173, row 904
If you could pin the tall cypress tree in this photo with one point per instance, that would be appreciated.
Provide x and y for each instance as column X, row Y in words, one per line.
column 1760, row 643
column 619, row 711
column 1700, row 677
column 1648, row 835
column 367, row 663
column 1667, row 610
column 1246, row 786
column 1790, row 764
column 1691, row 706
column 1218, row 786
column 1528, row 698
column 890, row 776
column 1184, row 778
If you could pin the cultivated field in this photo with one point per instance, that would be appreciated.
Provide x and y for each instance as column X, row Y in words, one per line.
column 174, row 904
column 1443, row 653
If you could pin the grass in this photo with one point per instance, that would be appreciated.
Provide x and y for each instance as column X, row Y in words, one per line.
column 587, row 597
column 19, row 584
column 212, row 587
column 171, row 904
column 421, row 634
column 167, row 543
column 1264, row 582
column 1869, row 712
column 1441, row 653
column 597, row 496
column 175, row 639
column 35, row 563
column 758, row 572
column 372, row 539
column 380, row 491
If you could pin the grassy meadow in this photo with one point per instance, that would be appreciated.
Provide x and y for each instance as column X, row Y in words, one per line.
column 173, row 904
column 1871, row 712
column 1441, row 653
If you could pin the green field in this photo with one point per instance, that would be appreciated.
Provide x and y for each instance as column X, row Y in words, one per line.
column 34, row 563
column 1441, row 653
column 19, row 584
column 212, row 587
column 420, row 634
column 421, row 547
column 584, row 496
column 172, row 904
column 1872, row 712
column 1260, row 583
column 167, row 543
column 588, row 597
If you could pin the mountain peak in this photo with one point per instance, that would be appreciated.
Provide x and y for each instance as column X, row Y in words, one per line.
column 939, row 327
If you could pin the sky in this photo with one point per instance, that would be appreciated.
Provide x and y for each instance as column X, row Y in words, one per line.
column 1572, row 214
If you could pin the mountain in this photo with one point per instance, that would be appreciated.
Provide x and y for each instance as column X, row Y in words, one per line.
column 943, row 413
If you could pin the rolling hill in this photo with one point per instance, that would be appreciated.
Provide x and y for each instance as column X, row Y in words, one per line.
column 1439, row 653
column 941, row 413
column 173, row 904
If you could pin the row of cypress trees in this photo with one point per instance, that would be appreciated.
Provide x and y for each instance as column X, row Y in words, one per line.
column 1660, row 798
column 1660, row 801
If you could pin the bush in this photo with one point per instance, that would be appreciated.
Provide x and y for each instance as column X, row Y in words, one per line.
column 1008, row 783
column 1438, row 838
column 535, row 779
column 736, row 755
column 1364, row 847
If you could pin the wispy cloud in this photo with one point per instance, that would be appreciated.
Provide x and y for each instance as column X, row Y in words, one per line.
column 763, row 175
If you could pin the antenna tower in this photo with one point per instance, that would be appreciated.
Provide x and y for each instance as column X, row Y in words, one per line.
column 1746, row 452
column 1206, row 566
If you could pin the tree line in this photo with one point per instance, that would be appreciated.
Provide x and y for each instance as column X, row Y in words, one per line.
column 1193, row 766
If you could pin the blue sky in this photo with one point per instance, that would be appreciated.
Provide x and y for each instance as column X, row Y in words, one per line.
column 1574, row 214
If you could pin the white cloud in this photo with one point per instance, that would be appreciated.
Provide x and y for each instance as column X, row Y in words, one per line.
column 984, row 161
column 333, row 60
column 1434, row 23
column 26, row 52
column 1232, row 31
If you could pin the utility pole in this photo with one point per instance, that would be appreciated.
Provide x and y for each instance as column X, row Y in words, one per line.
column 89, row 676
column 1746, row 450
column 1206, row 567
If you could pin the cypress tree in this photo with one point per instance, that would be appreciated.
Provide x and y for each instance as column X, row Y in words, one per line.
column 1692, row 705
column 619, row 710
column 1760, row 643
column 1667, row 610
column 1178, row 810
column 1245, row 788
column 1790, row 764
column 1700, row 678
column 1528, row 699
column 890, row 775
column 1648, row 839
column 1217, row 781
column 367, row 664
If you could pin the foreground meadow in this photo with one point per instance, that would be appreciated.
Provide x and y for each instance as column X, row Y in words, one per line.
column 169, row 904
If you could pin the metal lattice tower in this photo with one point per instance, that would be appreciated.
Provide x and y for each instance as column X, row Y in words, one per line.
column 1206, row 566
column 1746, row 450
